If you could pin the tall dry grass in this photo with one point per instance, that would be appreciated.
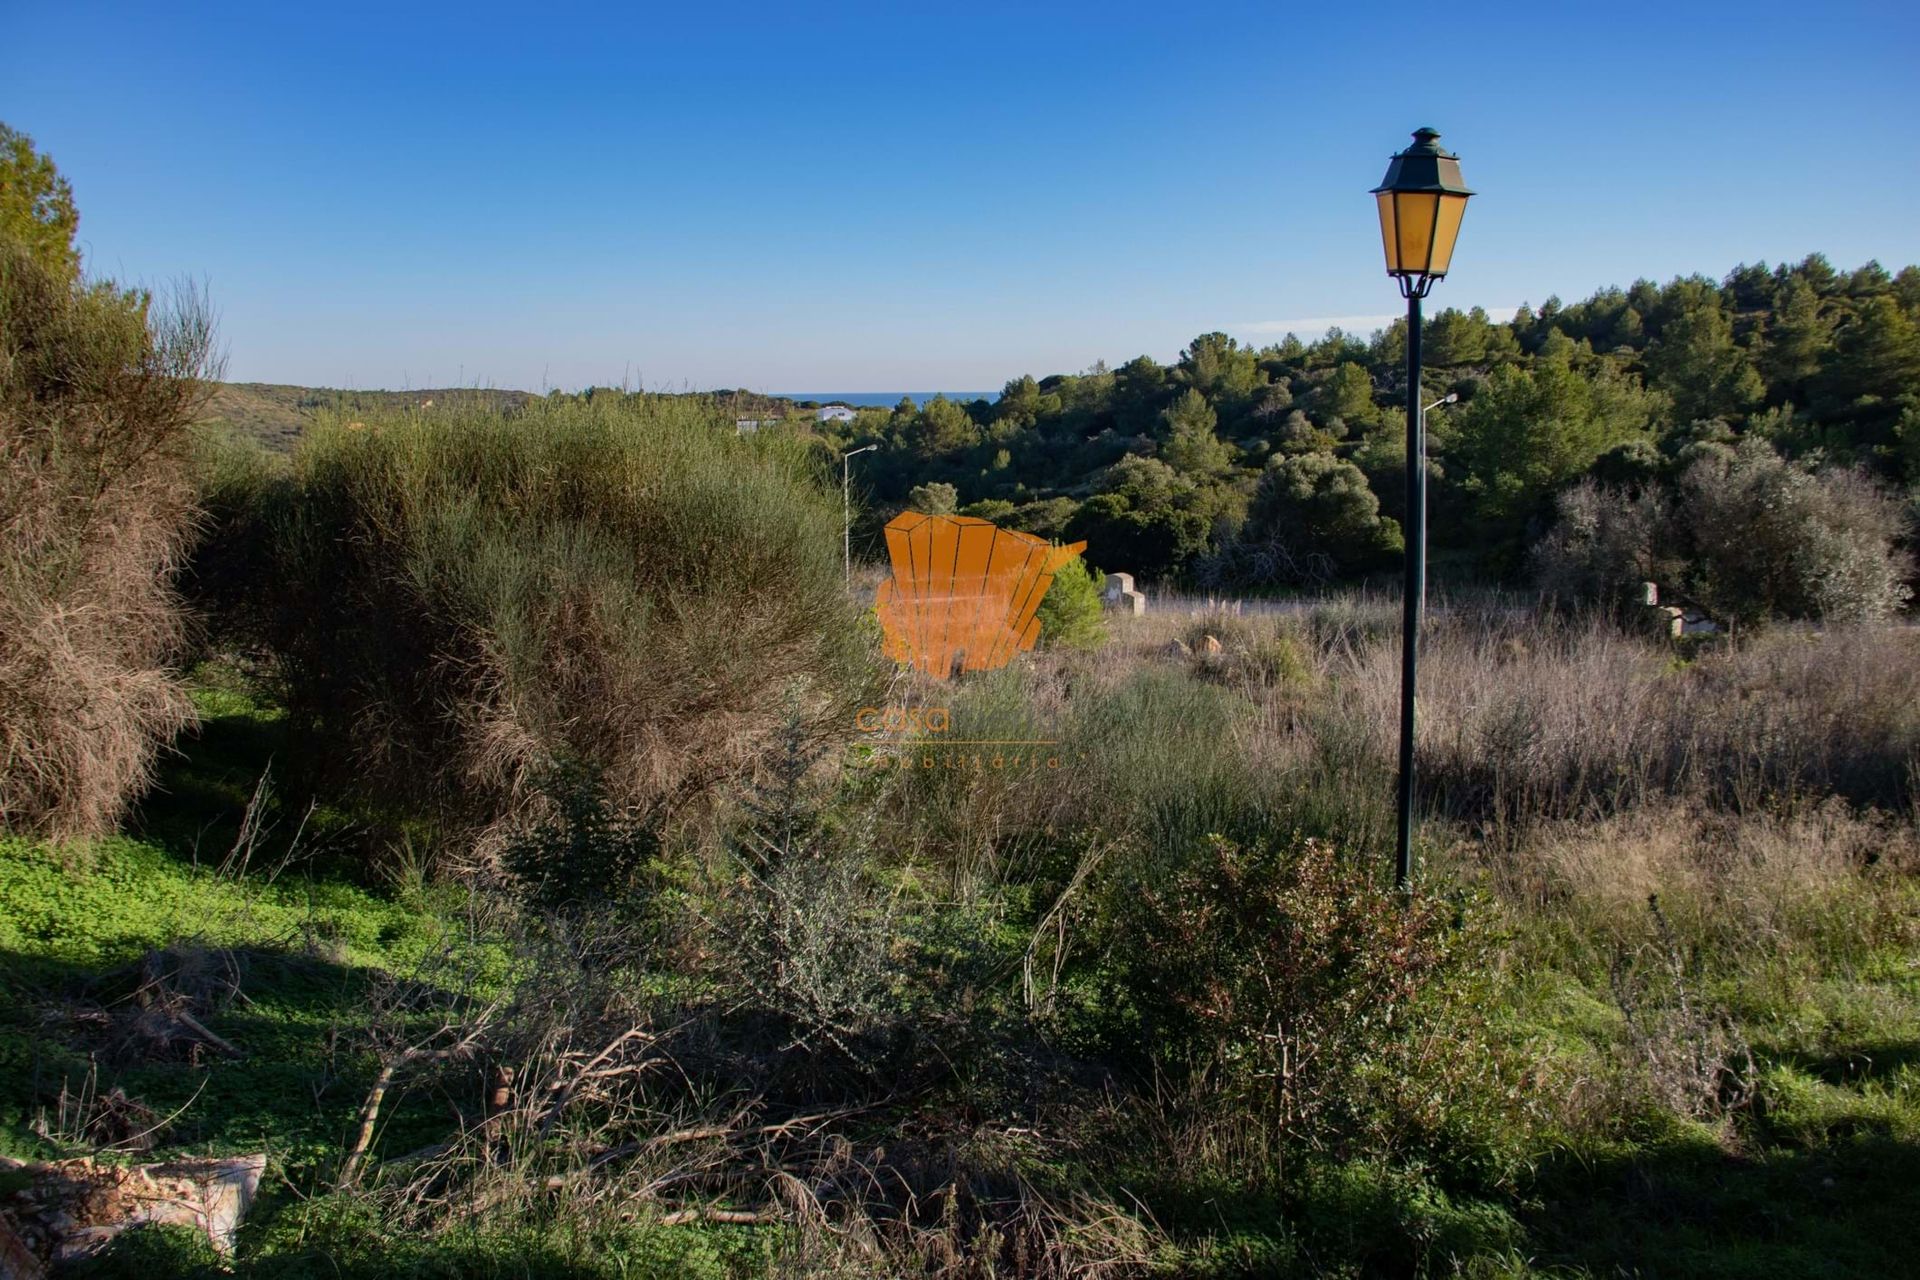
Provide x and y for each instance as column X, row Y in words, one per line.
column 1526, row 718
column 98, row 386
column 1527, row 715
column 1528, row 721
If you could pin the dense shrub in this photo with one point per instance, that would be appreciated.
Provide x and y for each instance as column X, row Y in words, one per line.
column 1149, row 519
column 582, row 856
column 933, row 499
column 1312, row 519
column 1071, row 615
column 1279, row 966
column 1772, row 537
column 1606, row 542
column 1751, row 535
column 456, row 605
column 97, row 388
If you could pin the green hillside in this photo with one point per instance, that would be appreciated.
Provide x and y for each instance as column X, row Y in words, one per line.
column 277, row 415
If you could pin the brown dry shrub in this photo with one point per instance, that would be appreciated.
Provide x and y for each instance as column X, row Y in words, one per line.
column 98, row 386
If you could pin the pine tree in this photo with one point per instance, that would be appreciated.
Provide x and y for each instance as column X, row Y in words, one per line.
column 36, row 205
column 1798, row 337
column 1192, row 447
column 1699, row 365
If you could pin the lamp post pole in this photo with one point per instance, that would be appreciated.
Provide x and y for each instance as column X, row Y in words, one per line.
column 1415, row 591
column 846, row 507
column 1421, row 202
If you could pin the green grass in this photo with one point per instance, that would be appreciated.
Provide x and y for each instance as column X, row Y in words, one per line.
column 74, row 922
column 311, row 942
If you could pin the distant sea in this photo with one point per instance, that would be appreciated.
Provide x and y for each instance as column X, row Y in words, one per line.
column 884, row 399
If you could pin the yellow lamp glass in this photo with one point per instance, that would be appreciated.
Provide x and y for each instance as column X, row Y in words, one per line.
column 1446, row 230
column 1418, row 230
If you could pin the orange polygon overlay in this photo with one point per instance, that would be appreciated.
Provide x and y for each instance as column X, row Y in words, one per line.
column 965, row 593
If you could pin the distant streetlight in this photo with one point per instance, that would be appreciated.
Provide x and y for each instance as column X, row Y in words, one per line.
column 846, row 506
column 1421, row 202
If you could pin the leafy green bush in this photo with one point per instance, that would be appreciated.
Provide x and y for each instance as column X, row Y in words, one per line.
column 175, row 1252
column 583, row 854
column 454, row 604
column 1071, row 616
column 1312, row 518
column 1150, row 519
column 933, row 499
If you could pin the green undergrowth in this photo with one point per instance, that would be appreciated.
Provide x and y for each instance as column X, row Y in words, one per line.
column 221, row 881
column 291, row 960
column 335, row 1240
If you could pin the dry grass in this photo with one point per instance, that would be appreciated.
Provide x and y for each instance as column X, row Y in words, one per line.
column 1758, row 866
column 1527, row 717
column 97, row 388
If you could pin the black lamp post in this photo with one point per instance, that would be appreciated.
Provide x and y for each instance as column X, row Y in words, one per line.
column 1421, row 201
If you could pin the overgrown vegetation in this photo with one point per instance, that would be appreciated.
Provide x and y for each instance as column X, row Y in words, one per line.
column 537, row 894
column 953, row 1014
column 466, row 601
column 98, row 386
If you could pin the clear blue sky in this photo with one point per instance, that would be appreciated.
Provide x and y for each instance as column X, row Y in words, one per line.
column 801, row 197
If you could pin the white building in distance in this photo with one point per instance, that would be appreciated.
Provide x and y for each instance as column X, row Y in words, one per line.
column 835, row 413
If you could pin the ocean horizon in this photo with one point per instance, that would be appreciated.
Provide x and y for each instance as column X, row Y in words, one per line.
column 882, row 399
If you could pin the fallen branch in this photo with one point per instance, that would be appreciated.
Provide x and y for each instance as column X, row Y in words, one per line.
column 370, row 1110
column 727, row 1217
column 199, row 1028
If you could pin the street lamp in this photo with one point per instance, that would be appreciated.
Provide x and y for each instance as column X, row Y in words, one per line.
column 1421, row 201
column 846, row 506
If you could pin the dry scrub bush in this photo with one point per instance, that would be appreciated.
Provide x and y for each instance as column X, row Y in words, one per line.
column 457, row 604
column 98, row 386
column 1687, row 1056
column 1771, row 537
column 1606, row 542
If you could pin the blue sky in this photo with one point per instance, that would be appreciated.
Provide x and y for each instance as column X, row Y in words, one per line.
column 797, row 197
